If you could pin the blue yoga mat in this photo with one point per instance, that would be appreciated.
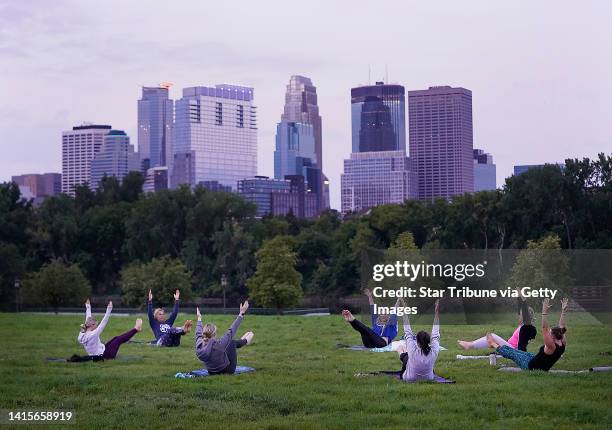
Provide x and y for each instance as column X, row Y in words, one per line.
column 203, row 372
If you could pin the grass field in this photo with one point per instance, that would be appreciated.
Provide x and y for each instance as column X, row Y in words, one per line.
column 302, row 381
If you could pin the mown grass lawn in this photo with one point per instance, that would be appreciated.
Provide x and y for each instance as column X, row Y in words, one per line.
column 302, row 381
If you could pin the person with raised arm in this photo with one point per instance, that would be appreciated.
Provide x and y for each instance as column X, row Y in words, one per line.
column 165, row 334
column 419, row 353
column 520, row 338
column 220, row 355
column 384, row 326
column 549, row 353
column 89, row 335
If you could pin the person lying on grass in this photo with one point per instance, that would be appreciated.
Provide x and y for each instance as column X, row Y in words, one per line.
column 549, row 353
column 384, row 327
column 90, row 333
column 219, row 355
column 419, row 353
column 165, row 334
column 524, row 333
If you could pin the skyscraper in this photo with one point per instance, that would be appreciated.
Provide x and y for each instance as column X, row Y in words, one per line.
column 301, row 107
column 378, row 118
column 215, row 136
column 115, row 158
column 440, row 124
column 155, row 124
column 484, row 171
column 378, row 170
column 79, row 146
column 295, row 154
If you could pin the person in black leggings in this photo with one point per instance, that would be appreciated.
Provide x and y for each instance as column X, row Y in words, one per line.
column 549, row 353
column 384, row 327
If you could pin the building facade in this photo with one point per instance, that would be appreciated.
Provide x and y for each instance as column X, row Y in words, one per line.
column 155, row 127
column 295, row 154
column 215, row 136
column 484, row 171
column 156, row 179
column 378, row 118
column 115, row 158
column 40, row 185
column 371, row 179
column 301, row 106
column 441, row 141
column 79, row 147
column 259, row 190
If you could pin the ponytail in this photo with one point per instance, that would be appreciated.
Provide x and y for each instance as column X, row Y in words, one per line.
column 83, row 328
column 423, row 340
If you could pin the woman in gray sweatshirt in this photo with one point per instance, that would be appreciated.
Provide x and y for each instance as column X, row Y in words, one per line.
column 420, row 352
column 219, row 355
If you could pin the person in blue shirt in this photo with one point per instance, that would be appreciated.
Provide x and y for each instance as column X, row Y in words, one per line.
column 165, row 334
column 384, row 327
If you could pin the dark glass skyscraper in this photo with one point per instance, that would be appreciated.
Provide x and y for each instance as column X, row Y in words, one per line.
column 378, row 118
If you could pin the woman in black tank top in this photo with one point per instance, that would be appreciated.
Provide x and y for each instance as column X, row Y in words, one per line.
column 549, row 353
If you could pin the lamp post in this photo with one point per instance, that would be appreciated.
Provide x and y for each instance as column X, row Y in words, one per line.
column 17, row 294
column 223, row 284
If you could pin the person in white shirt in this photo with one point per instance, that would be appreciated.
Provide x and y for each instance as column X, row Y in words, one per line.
column 420, row 352
column 90, row 333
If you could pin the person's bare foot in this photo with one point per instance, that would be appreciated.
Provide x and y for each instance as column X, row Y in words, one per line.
column 348, row 316
column 465, row 344
column 138, row 324
column 248, row 336
column 187, row 326
column 491, row 341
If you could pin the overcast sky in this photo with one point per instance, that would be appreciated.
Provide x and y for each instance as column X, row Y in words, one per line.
column 540, row 71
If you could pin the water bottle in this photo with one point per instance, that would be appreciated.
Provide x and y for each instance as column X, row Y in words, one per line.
column 493, row 359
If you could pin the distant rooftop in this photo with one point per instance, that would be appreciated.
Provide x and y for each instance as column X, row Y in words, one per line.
column 92, row 126
column 226, row 91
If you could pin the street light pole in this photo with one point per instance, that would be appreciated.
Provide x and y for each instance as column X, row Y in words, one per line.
column 17, row 294
column 223, row 284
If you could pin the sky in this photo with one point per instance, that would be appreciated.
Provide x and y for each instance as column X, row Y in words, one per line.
column 540, row 72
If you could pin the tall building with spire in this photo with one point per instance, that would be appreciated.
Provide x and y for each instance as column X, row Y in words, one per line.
column 378, row 171
column 301, row 107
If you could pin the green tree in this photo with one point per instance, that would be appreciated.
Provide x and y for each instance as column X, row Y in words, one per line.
column 276, row 283
column 56, row 284
column 162, row 276
column 542, row 265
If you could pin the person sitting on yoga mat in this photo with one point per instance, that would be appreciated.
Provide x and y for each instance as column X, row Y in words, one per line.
column 524, row 333
column 419, row 353
column 165, row 334
column 549, row 353
column 384, row 327
column 219, row 355
column 90, row 333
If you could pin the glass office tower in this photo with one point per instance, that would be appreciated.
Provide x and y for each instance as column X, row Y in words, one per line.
column 215, row 136
column 378, row 117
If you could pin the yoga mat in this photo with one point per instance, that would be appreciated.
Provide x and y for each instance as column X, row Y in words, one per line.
column 474, row 357
column 203, row 372
column 592, row 369
column 396, row 375
column 142, row 342
column 118, row 358
column 388, row 348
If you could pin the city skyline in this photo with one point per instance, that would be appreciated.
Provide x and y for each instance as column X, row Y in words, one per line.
column 551, row 106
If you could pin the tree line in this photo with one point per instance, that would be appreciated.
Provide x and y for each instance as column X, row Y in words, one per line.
column 121, row 240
